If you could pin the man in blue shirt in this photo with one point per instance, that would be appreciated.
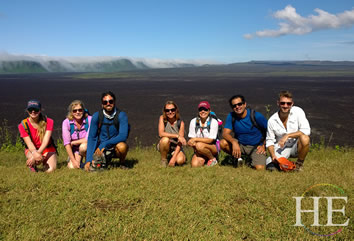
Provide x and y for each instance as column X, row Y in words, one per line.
column 248, row 138
column 108, row 132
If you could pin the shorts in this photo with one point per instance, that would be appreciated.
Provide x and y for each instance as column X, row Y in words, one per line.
column 251, row 151
column 76, row 149
column 48, row 152
column 172, row 147
column 289, row 150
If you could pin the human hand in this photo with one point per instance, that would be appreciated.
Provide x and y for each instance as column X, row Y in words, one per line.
column 261, row 149
column 191, row 142
column 182, row 140
column 30, row 161
column 283, row 140
column 236, row 150
column 37, row 157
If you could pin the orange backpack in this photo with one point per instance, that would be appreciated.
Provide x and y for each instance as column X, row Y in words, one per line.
column 286, row 165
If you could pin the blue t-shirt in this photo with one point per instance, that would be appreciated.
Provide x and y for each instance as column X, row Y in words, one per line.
column 245, row 132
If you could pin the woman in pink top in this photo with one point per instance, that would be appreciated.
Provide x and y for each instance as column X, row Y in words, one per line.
column 75, row 130
column 36, row 131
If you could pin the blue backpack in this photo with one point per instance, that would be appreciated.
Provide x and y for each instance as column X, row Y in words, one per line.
column 212, row 116
column 73, row 127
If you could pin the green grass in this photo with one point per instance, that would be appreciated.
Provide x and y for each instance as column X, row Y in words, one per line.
column 148, row 202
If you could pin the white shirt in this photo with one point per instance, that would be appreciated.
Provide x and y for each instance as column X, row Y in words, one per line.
column 297, row 121
column 203, row 132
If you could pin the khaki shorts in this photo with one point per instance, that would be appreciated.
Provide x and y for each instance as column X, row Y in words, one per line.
column 251, row 151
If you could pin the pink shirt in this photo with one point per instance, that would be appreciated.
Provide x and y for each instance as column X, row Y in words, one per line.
column 35, row 138
column 78, row 134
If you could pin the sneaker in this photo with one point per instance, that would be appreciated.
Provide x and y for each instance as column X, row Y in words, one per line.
column 212, row 162
column 299, row 166
column 123, row 167
column 33, row 168
column 271, row 167
column 240, row 162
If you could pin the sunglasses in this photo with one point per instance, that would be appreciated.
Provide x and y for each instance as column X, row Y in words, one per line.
column 286, row 103
column 30, row 110
column 238, row 104
column 203, row 108
column 106, row 102
column 78, row 110
column 170, row 110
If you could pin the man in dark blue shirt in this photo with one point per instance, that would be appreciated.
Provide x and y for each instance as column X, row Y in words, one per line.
column 248, row 135
column 108, row 132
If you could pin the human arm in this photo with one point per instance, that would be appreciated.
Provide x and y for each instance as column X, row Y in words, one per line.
column 180, row 137
column 66, row 135
column 29, row 144
column 173, row 159
column 122, row 134
column 236, row 150
column 226, row 134
column 92, row 138
column 272, row 153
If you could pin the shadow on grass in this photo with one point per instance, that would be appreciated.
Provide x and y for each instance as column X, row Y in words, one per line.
column 129, row 163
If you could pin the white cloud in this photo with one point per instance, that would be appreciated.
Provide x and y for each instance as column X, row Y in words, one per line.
column 293, row 23
column 68, row 62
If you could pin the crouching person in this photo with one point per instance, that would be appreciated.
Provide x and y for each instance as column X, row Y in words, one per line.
column 36, row 131
column 75, row 129
column 107, row 136
column 203, row 132
column 171, row 132
column 248, row 127
column 288, row 133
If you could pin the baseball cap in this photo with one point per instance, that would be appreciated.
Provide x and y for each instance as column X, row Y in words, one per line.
column 34, row 104
column 204, row 104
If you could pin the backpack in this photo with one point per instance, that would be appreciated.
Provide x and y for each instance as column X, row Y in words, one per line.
column 254, row 123
column 72, row 127
column 212, row 116
column 285, row 165
column 25, row 125
column 115, row 123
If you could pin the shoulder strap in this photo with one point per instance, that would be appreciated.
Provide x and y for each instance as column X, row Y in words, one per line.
column 86, row 124
column 25, row 125
column 233, row 115
column 179, row 123
column 255, row 124
column 72, row 127
column 253, row 118
column 116, row 119
column 100, row 120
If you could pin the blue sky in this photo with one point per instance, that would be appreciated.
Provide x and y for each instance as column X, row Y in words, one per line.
column 225, row 31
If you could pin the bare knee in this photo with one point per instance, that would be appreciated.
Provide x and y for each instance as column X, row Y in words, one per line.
column 224, row 145
column 82, row 149
column 164, row 143
column 181, row 159
column 122, row 148
column 304, row 140
column 197, row 161
column 199, row 147
column 52, row 163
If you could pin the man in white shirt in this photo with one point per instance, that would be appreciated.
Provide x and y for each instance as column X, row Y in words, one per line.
column 288, row 132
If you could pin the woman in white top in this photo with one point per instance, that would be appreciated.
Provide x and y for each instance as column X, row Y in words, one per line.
column 203, row 132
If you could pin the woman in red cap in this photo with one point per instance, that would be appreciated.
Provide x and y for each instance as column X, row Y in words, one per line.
column 203, row 132
column 171, row 132
column 36, row 131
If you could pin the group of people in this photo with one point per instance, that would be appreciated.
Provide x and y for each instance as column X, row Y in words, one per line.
column 92, row 141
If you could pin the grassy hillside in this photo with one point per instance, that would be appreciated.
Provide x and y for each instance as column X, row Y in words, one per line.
column 148, row 202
